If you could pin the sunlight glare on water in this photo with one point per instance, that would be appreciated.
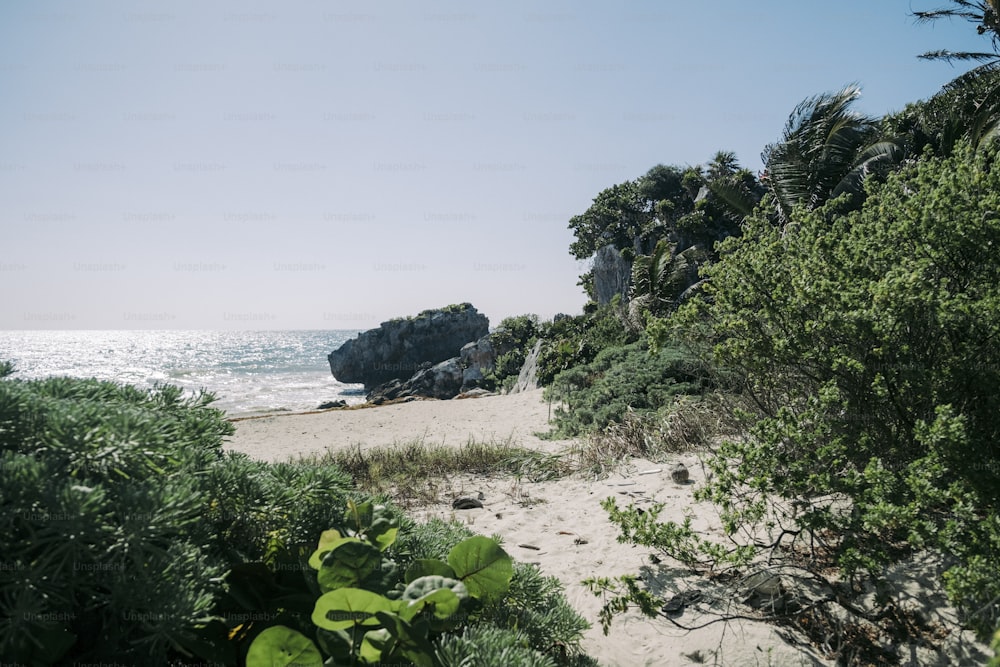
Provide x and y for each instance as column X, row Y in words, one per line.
column 250, row 372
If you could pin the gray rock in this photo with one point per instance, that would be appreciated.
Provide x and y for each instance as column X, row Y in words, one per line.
column 612, row 274
column 527, row 379
column 478, row 392
column 332, row 404
column 398, row 348
column 478, row 359
column 443, row 381
column 466, row 503
column 679, row 473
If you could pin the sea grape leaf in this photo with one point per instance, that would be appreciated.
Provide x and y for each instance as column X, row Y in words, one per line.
column 337, row 644
column 411, row 640
column 281, row 646
column 423, row 567
column 443, row 595
column 326, row 542
column 375, row 645
column 383, row 532
column 484, row 568
column 345, row 607
column 383, row 579
column 358, row 515
column 348, row 564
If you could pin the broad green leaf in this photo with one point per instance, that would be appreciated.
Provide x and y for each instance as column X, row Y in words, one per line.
column 348, row 564
column 336, row 645
column 443, row 595
column 484, row 568
column 423, row 567
column 411, row 640
column 326, row 542
column 376, row 645
column 280, row 646
column 345, row 607
column 383, row 532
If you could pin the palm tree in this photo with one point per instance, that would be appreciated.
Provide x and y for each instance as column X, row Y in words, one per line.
column 986, row 13
column 826, row 150
column 661, row 280
column 973, row 98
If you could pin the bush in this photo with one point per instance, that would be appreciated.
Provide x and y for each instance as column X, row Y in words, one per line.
column 258, row 509
column 868, row 343
column 535, row 605
column 437, row 596
column 105, row 552
column 120, row 514
column 621, row 380
column 511, row 342
column 573, row 341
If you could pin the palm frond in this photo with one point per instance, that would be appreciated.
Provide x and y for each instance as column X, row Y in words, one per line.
column 734, row 195
column 949, row 56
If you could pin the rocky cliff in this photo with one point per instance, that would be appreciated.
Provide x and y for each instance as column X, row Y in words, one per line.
column 401, row 347
column 612, row 275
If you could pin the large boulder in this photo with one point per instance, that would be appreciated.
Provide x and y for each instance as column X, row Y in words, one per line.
column 443, row 380
column 478, row 359
column 400, row 347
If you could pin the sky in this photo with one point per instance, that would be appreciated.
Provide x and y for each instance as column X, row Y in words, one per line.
column 324, row 164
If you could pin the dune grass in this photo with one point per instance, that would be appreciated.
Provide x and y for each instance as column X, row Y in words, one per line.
column 417, row 472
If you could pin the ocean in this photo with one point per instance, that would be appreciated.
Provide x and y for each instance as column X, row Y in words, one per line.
column 250, row 372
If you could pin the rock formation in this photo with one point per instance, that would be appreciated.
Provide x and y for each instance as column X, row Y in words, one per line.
column 443, row 380
column 527, row 379
column 612, row 274
column 478, row 358
column 401, row 347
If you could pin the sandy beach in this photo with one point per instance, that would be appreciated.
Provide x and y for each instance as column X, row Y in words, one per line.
column 557, row 525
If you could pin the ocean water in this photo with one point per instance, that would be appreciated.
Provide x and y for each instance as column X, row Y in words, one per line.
column 250, row 372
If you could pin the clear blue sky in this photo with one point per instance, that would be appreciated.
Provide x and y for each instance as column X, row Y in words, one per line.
column 328, row 164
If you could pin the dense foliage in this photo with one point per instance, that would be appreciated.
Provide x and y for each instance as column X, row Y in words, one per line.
column 867, row 342
column 669, row 207
column 511, row 341
column 129, row 535
column 102, row 493
column 573, row 341
column 621, row 380
column 383, row 591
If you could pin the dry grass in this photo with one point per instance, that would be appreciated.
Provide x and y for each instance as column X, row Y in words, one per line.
column 690, row 424
column 416, row 473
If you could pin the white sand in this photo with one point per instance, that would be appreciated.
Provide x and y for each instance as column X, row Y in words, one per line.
column 490, row 419
column 563, row 519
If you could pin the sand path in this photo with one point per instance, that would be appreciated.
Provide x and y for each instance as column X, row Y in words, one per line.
column 565, row 530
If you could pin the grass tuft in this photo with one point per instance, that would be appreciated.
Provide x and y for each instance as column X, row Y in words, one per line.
column 416, row 473
column 688, row 424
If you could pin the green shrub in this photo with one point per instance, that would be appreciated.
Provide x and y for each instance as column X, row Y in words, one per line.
column 511, row 342
column 573, row 341
column 535, row 605
column 257, row 509
column 485, row 646
column 620, row 380
column 106, row 556
column 867, row 343
column 128, row 535
column 364, row 604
